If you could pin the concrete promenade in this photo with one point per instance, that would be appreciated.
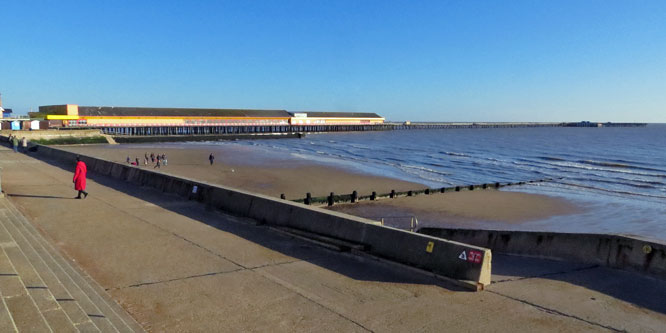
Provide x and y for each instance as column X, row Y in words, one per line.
column 175, row 266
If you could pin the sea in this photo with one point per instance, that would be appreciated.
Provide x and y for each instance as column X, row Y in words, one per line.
column 616, row 174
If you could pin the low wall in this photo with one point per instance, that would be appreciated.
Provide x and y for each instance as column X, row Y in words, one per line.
column 448, row 258
column 51, row 134
column 609, row 250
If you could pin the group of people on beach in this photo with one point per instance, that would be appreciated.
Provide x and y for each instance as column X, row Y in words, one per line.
column 81, row 169
column 14, row 141
column 157, row 159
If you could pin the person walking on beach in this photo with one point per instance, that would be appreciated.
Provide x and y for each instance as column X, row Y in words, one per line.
column 157, row 165
column 211, row 158
column 145, row 159
column 24, row 144
column 80, row 178
column 15, row 142
column 164, row 160
column 152, row 157
column 128, row 160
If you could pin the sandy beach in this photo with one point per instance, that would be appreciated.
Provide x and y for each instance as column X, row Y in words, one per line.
column 468, row 209
column 245, row 168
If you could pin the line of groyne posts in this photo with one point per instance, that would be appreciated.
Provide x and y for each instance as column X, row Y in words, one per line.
column 251, row 129
column 354, row 197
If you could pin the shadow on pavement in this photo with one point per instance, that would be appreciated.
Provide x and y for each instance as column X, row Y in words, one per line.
column 644, row 291
column 37, row 196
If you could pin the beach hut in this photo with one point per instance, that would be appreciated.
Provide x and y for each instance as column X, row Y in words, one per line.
column 16, row 125
column 34, row 125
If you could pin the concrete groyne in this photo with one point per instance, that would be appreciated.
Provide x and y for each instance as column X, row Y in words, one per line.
column 617, row 251
column 354, row 197
column 469, row 265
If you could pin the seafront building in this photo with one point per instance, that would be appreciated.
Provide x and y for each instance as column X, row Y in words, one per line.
column 170, row 121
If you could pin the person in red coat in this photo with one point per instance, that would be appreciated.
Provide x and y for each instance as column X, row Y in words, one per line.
column 80, row 178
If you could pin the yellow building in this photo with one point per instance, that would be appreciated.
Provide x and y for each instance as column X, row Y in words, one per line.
column 105, row 116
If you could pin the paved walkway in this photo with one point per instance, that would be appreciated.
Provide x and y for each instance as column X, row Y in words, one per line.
column 174, row 265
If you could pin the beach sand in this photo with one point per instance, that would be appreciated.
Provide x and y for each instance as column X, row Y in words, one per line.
column 246, row 168
column 467, row 209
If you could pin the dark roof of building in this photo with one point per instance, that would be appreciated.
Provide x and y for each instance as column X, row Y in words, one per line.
column 111, row 111
column 318, row 114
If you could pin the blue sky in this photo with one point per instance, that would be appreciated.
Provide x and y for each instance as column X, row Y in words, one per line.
column 405, row 60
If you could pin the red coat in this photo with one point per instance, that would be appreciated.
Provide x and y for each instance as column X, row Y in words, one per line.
column 80, row 176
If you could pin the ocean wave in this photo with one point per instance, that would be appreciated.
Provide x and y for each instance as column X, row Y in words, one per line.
column 551, row 158
column 620, row 165
column 622, row 182
column 422, row 168
column 453, row 154
column 612, row 191
column 436, row 165
column 590, row 167
column 435, row 178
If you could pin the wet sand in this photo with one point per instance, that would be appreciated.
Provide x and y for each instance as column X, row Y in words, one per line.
column 488, row 208
column 252, row 170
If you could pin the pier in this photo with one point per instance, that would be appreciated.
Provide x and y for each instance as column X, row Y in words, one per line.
column 166, row 131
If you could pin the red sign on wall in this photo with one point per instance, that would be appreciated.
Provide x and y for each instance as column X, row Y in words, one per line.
column 471, row 256
column 474, row 256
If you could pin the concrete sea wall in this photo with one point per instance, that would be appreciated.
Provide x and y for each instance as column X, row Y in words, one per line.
column 444, row 257
column 616, row 251
column 52, row 134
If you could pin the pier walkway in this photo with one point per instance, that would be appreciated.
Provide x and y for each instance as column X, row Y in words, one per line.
column 173, row 265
